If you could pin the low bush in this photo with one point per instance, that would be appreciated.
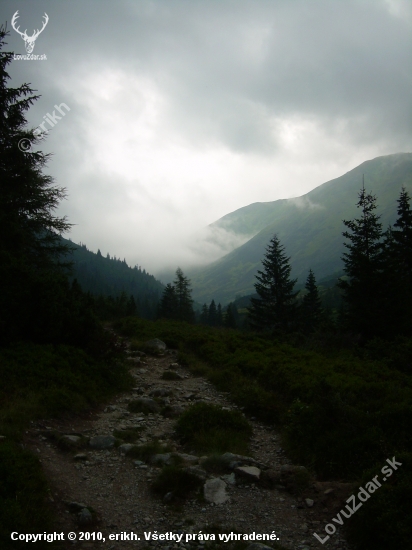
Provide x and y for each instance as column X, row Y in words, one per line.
column 40, row 381
column 385, row 520
column 177, row 481
column 23, row 496
column 216, row 464
column 209, row 428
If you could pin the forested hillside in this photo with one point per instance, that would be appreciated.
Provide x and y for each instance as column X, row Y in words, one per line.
column 110, row 276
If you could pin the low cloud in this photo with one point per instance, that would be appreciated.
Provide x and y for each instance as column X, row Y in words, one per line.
column 304, row 203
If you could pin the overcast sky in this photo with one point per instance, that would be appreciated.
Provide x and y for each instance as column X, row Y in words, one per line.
column 182, row 111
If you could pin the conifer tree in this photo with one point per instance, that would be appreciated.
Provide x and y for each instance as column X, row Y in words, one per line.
column 363, row 265
column 212, row 314
column 311, row 308
column 219, row 316
column 131, row 308
column 168, row 305
column 229, row 319
column 275, row 309
column 36, row 301
column 402, row 236
column 204, row 316
column 183, row 294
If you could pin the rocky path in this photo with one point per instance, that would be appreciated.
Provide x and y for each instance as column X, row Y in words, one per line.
column 97, row 488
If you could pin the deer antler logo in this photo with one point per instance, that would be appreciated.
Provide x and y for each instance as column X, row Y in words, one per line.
column 29, row 40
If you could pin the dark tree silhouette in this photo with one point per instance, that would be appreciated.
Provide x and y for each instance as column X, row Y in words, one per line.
column 183, row 294
column 311, row 308
column 363, row 265
column 275, row 310
column 168, row 305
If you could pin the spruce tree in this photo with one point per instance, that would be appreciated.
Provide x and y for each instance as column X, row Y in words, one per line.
column 36, row 301
column 275, row 309
column 402, row 236
column 212, row 314
column 168, row 305
column 204, row 316
column 363, row 265
column 219, row 316
column 311, row 308
column 183, row 294
column 229, row 319
column 397, row 274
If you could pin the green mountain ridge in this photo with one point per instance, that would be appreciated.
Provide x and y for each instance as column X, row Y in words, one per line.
column 310, row 227
column 110, row 276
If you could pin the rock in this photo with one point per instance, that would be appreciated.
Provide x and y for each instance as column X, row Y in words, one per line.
column 85, row 517
column 251, row 473
column 215, row 491
column 232, row 458
column 230, row 479
column 160, row 392
column 270, row 479
column 101, row 442
column 155, row 346
column 197, row 471
column 191, row 459
column 144, row 405
column 125, row 448
column 71, row 438
column 135, row 360
column 294, row 478
column 68, row 442
column 80, row 456
column 258, row 546
column 309, row 502
column 75, row 507
column 168, row 497
column 161, row 459
column 138, row 462
column 190, row 396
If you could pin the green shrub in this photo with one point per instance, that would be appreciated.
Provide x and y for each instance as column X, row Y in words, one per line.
column 215, row 464
column 180, row 483
column 40, row 381
column 385, row 519
column 23, row 496
column 209, row 428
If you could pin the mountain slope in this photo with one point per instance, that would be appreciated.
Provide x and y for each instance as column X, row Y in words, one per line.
column 310, row 227
column 110, row 276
